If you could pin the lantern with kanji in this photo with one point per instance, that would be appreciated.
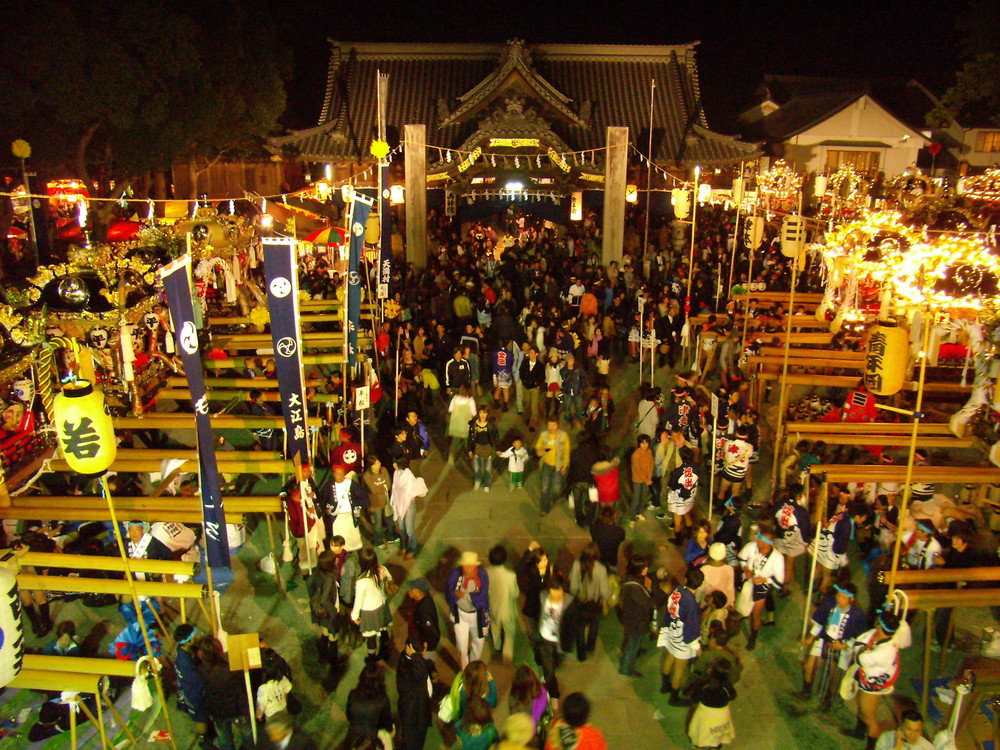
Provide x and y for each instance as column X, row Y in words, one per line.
column 11, row 634
column 885, row 362
column 84, row 429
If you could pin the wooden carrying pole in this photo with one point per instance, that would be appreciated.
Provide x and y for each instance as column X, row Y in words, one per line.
column 907, row 489
column 154, row 664
column 783, row 393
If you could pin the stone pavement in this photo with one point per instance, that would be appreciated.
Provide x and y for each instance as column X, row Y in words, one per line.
column 453, row 517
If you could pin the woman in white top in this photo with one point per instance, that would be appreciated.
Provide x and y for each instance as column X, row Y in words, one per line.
column 272, row 695
column 764, row 570
column 371, row 609
column 462, row 409
column 878, row 669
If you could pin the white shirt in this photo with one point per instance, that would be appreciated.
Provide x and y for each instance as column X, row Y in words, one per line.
column 271, row 697
column 342, row 491
column 887, row 741
column 516, row 458
column 771, row 566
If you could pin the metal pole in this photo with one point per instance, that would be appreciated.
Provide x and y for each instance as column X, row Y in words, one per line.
column 711, row 478
column 31, row 216
column 649, row 167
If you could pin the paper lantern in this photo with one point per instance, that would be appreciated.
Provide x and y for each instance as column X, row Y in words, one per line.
column 397, row 194
column 819, row 186
column 680, row 199
column 793, row 236
column 11, row 634
column 753, row 232
column 631, row 193
column 885, row 362
column 372, row 229
column 704, row 192
column 84, row 430
column 738, row 186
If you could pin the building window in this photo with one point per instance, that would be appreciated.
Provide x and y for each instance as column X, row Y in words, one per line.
column 988, row 140
column 865, row 162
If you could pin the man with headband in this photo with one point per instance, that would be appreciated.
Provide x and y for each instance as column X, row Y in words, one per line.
column 923, row 551
column 878, row 670
column 190, row 688
column 835, row 625
column 831, row 543
column 764, row 570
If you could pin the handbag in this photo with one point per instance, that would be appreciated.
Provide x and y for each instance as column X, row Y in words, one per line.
column 451, row 704
column 141, row 697
column 849, row 683
column 744, row 599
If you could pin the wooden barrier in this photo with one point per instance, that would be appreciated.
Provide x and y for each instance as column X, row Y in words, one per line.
column 80, row 665
column 894, row 473
column 185, row 420
column 804, row 298
column 141, row 466
column 98, row 562
column 849, row 381
column 119, row 587
column 307, row 359
column 941, row 575
column 222, row 394
column 135, row 509
column 868, row 428
column 837, row 354
column 261, row 384
column 815, row 361
column 58, row 682
column 798, row 321
column 816, row 339
column 889, row 441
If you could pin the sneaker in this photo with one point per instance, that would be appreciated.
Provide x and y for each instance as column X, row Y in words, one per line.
column 652, row 507
column 640, row 518
column 476, row 486
column 662, row 516
column 486, row 489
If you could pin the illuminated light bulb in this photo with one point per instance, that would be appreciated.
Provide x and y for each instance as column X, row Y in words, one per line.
column 266, row 221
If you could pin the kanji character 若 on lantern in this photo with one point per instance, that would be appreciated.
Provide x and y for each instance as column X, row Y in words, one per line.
column 84, row 429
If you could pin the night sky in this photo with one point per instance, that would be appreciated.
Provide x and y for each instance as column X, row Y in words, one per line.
column 738, row 44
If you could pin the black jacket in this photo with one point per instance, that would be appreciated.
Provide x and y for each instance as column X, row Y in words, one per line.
column 608, row 538
column 414, row 704
column 637, row 607
column 424, row 623
column 532, row 377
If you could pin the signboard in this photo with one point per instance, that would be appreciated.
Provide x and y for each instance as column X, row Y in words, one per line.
column 362, row 397
column 576, row 206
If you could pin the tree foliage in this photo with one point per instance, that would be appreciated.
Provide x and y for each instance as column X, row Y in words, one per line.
column 974, row 98
column 108, row 90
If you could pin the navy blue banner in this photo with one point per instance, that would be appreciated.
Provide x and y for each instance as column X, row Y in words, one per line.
column 177, row 285
column 361, row 206
column 280, row 273
column 385, row 236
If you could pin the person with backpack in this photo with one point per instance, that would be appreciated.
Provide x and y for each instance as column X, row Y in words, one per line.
column 571, row 731
column 324, row 606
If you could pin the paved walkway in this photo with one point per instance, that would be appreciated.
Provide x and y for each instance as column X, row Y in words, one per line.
column 630, row 712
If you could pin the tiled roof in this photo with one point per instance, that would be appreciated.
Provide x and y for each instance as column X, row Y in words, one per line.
column 594, row 86
column 806, row 101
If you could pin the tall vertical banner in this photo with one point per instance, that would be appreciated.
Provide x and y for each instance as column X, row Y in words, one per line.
column 385, row 236
column 280, row 274
column 361, row 206
column 177, row 285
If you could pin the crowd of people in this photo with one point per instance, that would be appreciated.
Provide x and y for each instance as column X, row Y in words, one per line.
column 516, row 321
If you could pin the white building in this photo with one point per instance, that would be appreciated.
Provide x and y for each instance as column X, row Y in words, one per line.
column 819, row 124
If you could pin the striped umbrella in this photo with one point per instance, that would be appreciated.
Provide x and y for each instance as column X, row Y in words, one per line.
column 328, row 236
